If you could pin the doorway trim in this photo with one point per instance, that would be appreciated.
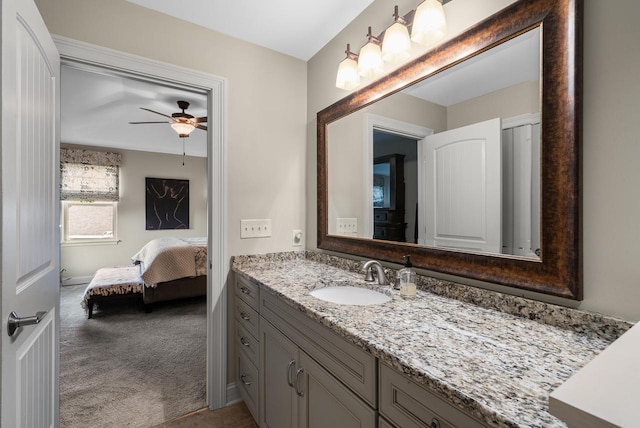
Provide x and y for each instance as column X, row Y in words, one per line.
column 81, row 54
column 374, row 122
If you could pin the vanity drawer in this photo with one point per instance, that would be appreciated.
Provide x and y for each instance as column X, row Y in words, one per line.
column 247, row 381
column 248, row 343
column 355, row 367
column 408, row 404
column 247, row 317
column 248, row 291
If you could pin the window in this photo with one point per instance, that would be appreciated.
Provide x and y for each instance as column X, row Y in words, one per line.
column 89, row 193
column 85, row 222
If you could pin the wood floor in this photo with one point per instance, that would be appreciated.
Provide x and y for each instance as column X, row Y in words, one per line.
column 234, row 416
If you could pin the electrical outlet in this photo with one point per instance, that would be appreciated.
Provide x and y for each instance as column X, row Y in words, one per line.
column 297, row 238
column 347, row 226
column 255, row 228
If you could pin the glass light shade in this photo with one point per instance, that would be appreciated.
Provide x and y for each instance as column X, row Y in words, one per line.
column 183, row 128
column 370, row 62
column 429, row 23
column 348, row 77
column 396, row 46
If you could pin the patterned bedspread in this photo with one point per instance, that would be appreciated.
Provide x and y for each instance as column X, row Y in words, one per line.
column 166, row 259
column 115, row 280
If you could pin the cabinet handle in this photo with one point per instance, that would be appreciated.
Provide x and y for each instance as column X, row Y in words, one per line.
column 434, row 423
column 245, row 290
column 299, row 391
column 290, row 374
column 244, row 316
column 243, row 378
column 244, row 341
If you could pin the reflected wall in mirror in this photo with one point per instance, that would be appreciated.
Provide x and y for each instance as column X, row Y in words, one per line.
column 485, row 132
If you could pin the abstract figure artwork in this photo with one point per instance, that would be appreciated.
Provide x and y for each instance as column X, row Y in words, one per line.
column 167, row 203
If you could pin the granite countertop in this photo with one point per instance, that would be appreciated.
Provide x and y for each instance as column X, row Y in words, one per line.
column 497, row 357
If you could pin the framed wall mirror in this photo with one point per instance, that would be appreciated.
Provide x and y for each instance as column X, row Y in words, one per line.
column 486, row 128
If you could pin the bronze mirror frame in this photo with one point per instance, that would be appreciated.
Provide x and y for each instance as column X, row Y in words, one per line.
column 559, row 270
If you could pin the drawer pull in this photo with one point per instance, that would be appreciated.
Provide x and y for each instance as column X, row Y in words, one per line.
column 244, row 316
column 290, row 373
column 434, row 423
column 244, row 377
column 245, row 290
column 299, row 391
column 244, row 341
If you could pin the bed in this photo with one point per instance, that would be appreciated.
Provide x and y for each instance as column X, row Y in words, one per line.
column 172, row 268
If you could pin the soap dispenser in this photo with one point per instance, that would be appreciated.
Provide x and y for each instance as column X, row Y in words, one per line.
column 407, row 279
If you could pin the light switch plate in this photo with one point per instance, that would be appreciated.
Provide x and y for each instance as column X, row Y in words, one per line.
column 297, row 238
column 347, row 226
column 255, row 228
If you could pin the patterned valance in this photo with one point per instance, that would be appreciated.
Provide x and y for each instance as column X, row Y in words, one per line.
column 90, row 157
column 87, row 175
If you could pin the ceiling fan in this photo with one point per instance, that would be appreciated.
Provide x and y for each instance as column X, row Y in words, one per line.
column 181, row 122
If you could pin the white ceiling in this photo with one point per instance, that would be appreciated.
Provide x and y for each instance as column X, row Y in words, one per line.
column 513, row 62
column 96, row 108
column 294, row 27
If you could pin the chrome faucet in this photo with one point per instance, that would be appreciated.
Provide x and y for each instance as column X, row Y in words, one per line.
column 368, row 272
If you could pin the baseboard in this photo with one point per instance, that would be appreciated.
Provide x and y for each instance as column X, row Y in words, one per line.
column 233, row 394
column 76, row 280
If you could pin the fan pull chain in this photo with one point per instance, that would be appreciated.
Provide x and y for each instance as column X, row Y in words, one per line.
column 183, row 154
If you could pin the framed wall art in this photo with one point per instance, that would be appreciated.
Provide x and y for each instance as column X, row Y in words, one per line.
column 167, row 203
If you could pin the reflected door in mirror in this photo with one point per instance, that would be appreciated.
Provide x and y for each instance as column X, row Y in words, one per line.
column 388, row 198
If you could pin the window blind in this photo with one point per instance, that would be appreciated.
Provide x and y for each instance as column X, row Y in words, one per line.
column 87, row 175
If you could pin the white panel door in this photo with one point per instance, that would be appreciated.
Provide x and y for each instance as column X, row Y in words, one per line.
column 463, row 188
column 30, row 217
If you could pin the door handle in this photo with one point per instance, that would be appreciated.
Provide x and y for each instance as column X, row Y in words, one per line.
column 15, row 321
column 298, row 389
column 289, row 373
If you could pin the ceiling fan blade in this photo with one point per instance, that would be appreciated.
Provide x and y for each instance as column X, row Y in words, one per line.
column 138, row 123
column 203, row 127
column 200, row 119
column 156, row 112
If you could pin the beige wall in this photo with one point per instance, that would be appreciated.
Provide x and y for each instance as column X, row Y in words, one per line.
column 266, row 105
column 84, row 260
column 611, row 152
column 508, row 102
column 266, row 99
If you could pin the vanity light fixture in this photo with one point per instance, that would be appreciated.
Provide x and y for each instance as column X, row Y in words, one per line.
column 183, row 128
column 348, row 76
column 370, row 62
column 396, row 45
column 428, row 25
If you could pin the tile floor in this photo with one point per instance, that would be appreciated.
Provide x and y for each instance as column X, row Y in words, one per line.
column 234, row 416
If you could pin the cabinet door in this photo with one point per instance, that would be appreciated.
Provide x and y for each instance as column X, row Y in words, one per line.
column 278, row 364
column 325, row 402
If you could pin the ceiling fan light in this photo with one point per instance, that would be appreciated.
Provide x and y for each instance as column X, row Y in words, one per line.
column 429, row 23
column 396, row 45
column 183, row 128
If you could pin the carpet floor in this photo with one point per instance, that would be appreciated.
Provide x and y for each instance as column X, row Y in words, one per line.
column 126, row 368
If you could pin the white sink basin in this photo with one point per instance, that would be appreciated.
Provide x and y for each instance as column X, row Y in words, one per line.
column 347, row 295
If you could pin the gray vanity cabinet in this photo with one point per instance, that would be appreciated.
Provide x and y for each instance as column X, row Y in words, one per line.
column 325, row 402
column 247, row 343
column 278, row 365
column 297, row 392
column 410, row 405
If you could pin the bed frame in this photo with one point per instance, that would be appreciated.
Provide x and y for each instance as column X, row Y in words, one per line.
column 171, row 290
